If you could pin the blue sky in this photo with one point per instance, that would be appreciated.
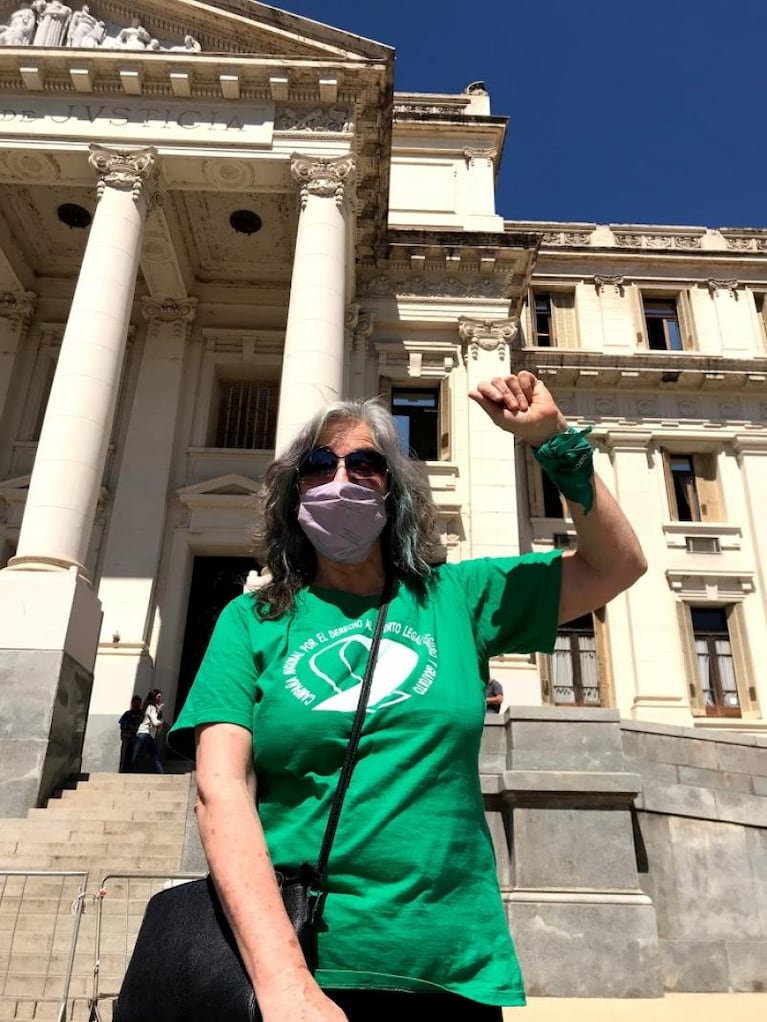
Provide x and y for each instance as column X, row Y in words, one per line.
column 651, row 112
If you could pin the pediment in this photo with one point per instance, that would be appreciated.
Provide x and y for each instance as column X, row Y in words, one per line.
column 213, row 490
column 179, row 26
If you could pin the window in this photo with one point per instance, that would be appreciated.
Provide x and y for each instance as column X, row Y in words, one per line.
column 716, row 669
column 760, row 300
column 661, row 316
column 247, row 415
column 544, row 498
column 420, row 415
column 693, row 491
column 574, row 670
column 543, row 320
column 553, row 321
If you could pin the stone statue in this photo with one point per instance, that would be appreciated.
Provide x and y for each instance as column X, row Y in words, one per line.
column 20, row 28
column 85, row 32
column 52, row 21
column 135, row 37
column 190, row 45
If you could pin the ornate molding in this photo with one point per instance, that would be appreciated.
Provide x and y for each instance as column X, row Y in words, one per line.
column 127, row 170
column 438, row 287
column 363, row 331
column 18, row 307
column 179, row 311
column 325, row 178
column 487, row 335
column 318, row 121
column 648, row 239
column 471, row 154
column 722, row 285
column 614, row 281
column 578, row 238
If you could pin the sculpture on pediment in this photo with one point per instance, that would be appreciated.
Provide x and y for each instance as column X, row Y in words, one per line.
column 85, row 32
column 134, row 37
column 190, row 45
column 52, row 22
column 20, row 28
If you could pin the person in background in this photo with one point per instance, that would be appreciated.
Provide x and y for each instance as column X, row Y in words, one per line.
column 129, row 723
column 412, row 923
column 148, row 730
column 493, row 696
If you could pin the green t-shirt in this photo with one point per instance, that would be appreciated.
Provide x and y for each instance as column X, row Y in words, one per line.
column 412, row 895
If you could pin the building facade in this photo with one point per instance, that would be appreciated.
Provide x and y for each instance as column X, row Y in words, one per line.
column 215, row 220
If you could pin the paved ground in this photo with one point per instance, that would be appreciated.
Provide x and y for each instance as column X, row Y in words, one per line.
column 671, row 1008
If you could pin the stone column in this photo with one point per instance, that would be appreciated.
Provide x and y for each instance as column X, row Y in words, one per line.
column 50, row 621
column 648, row 606
column 137, row 524
column 313, row 360
column 72, row 450
column 491, row 460
column 16, row 311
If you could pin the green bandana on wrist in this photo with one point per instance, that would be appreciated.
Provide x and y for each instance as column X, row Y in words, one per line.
column 568, row 460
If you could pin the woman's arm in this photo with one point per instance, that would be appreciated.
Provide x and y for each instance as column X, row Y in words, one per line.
column 238, row 857
column 609, row 558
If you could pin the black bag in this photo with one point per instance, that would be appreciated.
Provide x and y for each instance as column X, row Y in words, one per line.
column 185, row 965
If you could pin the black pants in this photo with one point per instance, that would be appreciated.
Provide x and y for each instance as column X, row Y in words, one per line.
column 388, row 1005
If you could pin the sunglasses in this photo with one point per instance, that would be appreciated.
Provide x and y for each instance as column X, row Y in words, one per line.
column 364, row 466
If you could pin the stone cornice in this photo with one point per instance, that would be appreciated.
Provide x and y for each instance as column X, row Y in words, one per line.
column 654, row 370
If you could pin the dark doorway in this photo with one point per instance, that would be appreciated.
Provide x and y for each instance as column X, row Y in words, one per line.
column 215, row 582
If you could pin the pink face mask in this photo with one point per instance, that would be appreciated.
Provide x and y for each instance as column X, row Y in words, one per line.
column 342, row 520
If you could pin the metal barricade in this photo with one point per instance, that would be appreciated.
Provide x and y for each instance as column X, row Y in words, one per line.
column 40, row 913
column 121, row 901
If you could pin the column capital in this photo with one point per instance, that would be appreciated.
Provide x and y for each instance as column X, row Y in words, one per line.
column 127, row 170
column 176, row 314
column 472, row 153
column 169, row 310
column 488, row 334
column 615, row 281
column 722, row 285
column 17, row 307
column 323, row 177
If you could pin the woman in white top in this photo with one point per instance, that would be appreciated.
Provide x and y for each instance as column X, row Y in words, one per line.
column 147, row 733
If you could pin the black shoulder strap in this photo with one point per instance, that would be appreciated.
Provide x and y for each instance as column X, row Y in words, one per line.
column 354, row 738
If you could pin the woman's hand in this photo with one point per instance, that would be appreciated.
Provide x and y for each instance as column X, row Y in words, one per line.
column 521, row 404
column 297, row 998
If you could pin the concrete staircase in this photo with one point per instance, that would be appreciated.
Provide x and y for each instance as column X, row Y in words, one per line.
column 109, row 825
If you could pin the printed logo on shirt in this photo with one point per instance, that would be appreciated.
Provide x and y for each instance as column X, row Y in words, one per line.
column 325, row 673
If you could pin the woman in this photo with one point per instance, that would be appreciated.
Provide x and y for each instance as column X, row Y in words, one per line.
column 412, row 921
column 148, row 729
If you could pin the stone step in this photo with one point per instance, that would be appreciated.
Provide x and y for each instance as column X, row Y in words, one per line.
column 143, row 862
column 71, row 811
column 129, row 782
column 106, row 825
column 127, row 832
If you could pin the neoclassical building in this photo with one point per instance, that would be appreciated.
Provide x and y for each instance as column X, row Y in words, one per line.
column 215, row 219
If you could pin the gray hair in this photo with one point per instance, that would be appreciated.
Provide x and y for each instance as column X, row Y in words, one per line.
column 407, row 538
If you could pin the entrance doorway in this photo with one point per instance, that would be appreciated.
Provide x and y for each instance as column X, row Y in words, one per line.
column 215, row 582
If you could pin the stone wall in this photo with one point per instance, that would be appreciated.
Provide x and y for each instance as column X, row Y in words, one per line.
column 632, row 857
column 702, row 814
